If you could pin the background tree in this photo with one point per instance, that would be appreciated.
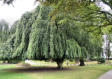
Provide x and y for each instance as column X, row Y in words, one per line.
column 6, row 50
column 4, row 31
column 13, row 28
column 39, row 38
column 7, row 37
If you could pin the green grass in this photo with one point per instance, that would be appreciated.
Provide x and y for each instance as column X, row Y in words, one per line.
column 87, row 72
column 74, row 72
column 5, row 74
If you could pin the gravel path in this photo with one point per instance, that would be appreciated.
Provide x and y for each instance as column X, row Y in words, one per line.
column 107, row 75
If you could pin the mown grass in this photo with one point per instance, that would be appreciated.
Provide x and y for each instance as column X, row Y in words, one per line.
column 87, row 72
column 50, row 72
column 5, row 74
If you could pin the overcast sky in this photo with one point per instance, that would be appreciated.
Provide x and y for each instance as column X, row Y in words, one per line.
column 103, row 7
column 11, row 14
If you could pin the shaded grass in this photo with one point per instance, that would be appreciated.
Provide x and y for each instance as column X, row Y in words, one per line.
column 87, row 72
column 50, row 72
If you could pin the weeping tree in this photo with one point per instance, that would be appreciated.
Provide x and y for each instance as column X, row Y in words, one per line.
column 57, row 37
column 39, row 38
column 23, row 31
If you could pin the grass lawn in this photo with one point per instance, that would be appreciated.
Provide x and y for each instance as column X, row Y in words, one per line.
column 48, row 72
column 5, row 74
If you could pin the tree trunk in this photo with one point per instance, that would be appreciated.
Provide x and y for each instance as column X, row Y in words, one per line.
column 9, row 61
column 108, row 58
column 82, row 62
column 59, row 64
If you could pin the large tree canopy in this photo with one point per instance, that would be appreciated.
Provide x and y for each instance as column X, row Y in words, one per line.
column 59, row 33
column 38, row 38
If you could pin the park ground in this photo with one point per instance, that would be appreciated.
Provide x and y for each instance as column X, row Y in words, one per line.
column 48, row 71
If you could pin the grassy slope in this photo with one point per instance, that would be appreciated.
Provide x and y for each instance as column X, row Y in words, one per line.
column 87, row 72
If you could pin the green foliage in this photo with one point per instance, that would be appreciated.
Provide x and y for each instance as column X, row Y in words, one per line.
column 5, row 52
column 13, row 28
column 37, row 37
column 92, row 58
column 7, row 41
column 70, row 29
column 101, row 60
column 4, row 31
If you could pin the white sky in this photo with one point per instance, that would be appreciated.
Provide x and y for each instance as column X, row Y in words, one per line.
column 103, row 6
column 11, row 14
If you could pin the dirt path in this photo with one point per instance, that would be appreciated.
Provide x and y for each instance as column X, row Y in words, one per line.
column 107, row 75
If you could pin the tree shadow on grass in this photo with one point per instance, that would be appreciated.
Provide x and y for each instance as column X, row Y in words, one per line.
column 37, row 69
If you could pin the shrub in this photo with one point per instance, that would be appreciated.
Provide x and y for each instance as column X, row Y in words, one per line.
column 101, row 60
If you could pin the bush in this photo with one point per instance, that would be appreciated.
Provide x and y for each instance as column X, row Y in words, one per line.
column 101, row 60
